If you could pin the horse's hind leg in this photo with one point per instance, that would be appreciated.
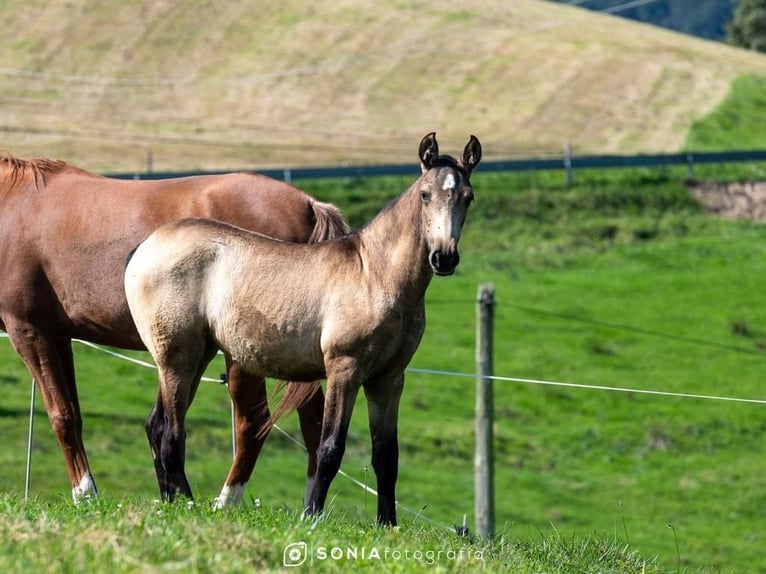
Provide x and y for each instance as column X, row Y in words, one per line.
column 383, row 409
column 310, row 415
column 155, row 431
column 85, row 487
column 179, row 379
column 251, row 412
column 51, row 365
column 251, row 418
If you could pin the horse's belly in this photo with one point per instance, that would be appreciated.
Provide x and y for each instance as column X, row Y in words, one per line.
column 272, row 354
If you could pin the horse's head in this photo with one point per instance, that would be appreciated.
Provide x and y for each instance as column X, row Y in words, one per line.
column 445, row 195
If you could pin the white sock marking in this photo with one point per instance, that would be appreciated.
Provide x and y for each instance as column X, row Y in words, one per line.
column 86, row 489
column 229, row 495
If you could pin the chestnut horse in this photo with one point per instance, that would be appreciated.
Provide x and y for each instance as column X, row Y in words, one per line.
column 64, row 237
column 350, row 310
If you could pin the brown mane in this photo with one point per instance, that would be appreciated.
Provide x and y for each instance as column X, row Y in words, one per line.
column 40, row 168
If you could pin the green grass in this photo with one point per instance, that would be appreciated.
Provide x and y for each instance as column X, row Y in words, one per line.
column 733, row 124
column 620, row 281
column 140, row 536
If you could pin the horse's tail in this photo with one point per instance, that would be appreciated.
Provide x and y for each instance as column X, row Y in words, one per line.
column 329, row 222
column 294, row 396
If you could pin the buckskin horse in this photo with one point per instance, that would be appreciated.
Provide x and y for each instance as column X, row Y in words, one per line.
column 350, row 310
column 65, row 234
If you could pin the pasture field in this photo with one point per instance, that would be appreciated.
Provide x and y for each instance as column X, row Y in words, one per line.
column 620, row 281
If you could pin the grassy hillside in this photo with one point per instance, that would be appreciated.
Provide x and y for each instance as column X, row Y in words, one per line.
column 731, row 124
column 289, row 83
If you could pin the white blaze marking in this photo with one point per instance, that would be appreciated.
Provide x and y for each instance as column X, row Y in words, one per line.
column 449, row 182
column 229, row 495
column 86, row 489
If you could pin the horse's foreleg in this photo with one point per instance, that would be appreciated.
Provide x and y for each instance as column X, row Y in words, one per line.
column 310, row 415
column 342, row 388
column 251, row 412
column 52, row 367
column 383, row 408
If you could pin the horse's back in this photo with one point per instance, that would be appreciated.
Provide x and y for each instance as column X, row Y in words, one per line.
column 248, row 292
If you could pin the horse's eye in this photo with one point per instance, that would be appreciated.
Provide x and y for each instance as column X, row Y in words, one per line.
column 425, row 196
column 469, row 199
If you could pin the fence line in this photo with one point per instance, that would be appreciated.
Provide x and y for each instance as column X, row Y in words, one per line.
column 568, row 162
column 464, row 375
column 638, row 330
column 589, row 387
column 613, row 326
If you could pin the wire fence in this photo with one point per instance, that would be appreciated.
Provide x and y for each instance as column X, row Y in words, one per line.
column 567, row 162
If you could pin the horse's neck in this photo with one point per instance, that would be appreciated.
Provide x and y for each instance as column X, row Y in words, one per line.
column 394, row 249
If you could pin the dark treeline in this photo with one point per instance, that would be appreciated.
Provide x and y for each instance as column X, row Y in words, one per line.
column 703, row 18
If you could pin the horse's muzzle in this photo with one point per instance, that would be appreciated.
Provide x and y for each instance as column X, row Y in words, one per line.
column 443, row 263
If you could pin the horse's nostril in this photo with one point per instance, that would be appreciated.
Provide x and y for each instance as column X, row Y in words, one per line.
column 443, row 263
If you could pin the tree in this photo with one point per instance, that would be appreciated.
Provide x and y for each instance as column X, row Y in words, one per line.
column 748, row 29
column 703, row 18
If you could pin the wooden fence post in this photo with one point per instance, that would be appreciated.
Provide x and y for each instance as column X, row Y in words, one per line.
column 484, row 496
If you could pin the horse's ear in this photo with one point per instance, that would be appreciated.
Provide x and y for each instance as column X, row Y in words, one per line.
column 429, row 151
column 472, row 154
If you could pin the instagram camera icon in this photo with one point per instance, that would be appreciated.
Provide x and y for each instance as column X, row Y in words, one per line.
column 295, row 554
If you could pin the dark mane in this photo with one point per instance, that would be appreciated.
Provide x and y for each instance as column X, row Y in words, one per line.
column 40, row 168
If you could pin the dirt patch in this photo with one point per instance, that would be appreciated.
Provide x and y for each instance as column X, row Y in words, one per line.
column 735, row 200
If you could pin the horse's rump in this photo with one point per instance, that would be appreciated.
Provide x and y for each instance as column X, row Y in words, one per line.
column 329, row 222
